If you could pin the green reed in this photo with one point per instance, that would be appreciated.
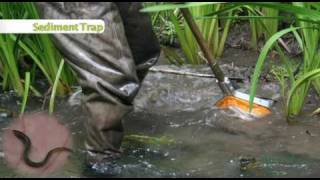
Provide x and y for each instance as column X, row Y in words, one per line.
column 35, row 54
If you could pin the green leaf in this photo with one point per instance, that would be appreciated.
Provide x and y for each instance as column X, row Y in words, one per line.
column 26, row 92
column 315, row 15
column 172, row 6
column 260, row 61
column 54, row 87
column 306, row 78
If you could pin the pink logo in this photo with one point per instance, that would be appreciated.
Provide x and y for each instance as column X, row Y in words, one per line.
column 45, row 133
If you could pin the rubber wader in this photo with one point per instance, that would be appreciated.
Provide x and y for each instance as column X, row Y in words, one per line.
column 110, row 66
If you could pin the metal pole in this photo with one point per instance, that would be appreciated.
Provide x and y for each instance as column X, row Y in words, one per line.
column 206, row 51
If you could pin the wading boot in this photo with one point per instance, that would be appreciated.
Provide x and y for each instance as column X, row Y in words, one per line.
column 102, row 164
column 110, row 68
column 104, row 134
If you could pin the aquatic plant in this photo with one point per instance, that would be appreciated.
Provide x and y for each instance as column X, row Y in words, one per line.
column 26, row 92
column 306, row 32
column 264, row 19
column 214, row 30
column 257, row 30
column 306, row 18
column 8, row 55
column 54, row 87
column 148, row 140
column 34, row 54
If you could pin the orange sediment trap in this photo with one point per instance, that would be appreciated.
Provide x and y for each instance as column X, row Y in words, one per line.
column 243, row 105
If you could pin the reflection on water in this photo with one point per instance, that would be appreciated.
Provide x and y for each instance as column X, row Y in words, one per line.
column 208, row 141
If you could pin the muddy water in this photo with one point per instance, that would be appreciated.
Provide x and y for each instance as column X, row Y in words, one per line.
column 208, row 142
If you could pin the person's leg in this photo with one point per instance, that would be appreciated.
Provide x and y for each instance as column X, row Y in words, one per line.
column 106, row 69
column 143, row 43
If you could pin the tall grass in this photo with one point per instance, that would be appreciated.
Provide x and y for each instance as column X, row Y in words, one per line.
column 214, row 30
column 32, row 53
column 309, row 39
column 26, row 92
column 257, row 30
column 306, row 33
column 54, row 87
column 8, row 55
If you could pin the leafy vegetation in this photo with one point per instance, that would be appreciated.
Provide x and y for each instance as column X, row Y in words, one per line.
column 214, row 30
column 264, row 19
column 33, row 55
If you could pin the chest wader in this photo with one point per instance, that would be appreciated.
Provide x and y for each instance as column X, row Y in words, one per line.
column 110, row 66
